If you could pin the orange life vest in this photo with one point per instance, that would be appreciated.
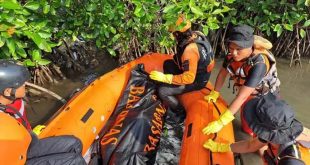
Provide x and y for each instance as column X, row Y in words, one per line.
column 239, row 71
column 17, row 109
column 14, row 140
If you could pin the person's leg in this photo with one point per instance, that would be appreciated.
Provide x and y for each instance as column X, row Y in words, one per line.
column 167, row 93
column 54, row 145
column 58, row 159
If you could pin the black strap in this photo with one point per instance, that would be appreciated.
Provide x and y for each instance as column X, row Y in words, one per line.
column 271, row 152
column 4, row 109
column 12, row 94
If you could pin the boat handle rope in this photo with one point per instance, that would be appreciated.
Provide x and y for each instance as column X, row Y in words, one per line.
column 215, row 134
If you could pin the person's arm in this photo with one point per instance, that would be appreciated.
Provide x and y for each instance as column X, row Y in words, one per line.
column 220, row 79
column 247, row 146
column 242, row 96
column 244, row 146
column 190, row 60
column 256, row 74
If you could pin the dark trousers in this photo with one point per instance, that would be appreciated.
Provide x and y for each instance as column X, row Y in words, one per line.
column 58, row 150
column 168, row 92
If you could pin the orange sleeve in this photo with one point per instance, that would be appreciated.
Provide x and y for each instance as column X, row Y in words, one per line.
column 190, row 60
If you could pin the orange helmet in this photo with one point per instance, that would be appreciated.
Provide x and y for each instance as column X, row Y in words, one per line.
column 14, row 141
column 181, row 24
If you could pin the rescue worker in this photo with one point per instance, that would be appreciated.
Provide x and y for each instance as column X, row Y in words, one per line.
column 190, row 68
column 12, row 89
column 19, row 145
column 273, row 121
column 253, row 69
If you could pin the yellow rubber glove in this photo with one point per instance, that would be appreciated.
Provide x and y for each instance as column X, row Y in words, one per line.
column 217, row 125
column 213, row 95
column 38, row 129
column 159, row 76
column 216, row 147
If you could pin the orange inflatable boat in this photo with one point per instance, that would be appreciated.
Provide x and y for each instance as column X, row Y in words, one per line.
column 88, row 111
column 199, row 114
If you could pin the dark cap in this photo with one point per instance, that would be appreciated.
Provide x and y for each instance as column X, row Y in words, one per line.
column 242, row 35
column 272, row 119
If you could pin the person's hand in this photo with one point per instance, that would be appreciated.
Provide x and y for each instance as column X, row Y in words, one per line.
column 38, row 129
column 159, row 76
column 216, row 147
column 217, row 125
column 213, row 95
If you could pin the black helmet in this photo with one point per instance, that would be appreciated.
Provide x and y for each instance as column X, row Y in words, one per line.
column 12, row 75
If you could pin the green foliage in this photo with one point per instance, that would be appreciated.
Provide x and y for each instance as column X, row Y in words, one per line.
column 273, row 16
column 24, row 29
column 127, row 27
column 210, row 15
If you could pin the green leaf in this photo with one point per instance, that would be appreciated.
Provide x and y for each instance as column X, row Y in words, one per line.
column 116, row 37
column 168, row 8
column 307, row 3
column 46, row 8
column 36, row 55
column 213, row 26
column 36, row 39
column 21, row 52
column 277, row 27
column 25, row 12
column 2, row 41
column 307, row 23
column 4, row 27
column 217, row 11
column 196, row 10
column 112, row 52
column 32, row 5
column 10, row 4
column 53, row 11
column 300, row 2
column 288, row 27
column 41, row 24
column 19, row 23
column 205, row 30
column 91, row 7
column 11, row 45
column 225, row 9
column 43, row 62
column 216, row 3
column 41, row 43
column 229, row 1
column 302, row 33
column 112, row 30
column 279, row 31
column 98, row 43
column 28, row 62
column 44, row 34
column 53, row 44
column 138, row 11
column 67, row 3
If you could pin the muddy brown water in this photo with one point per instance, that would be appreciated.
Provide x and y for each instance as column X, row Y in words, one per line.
column 295, row 84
